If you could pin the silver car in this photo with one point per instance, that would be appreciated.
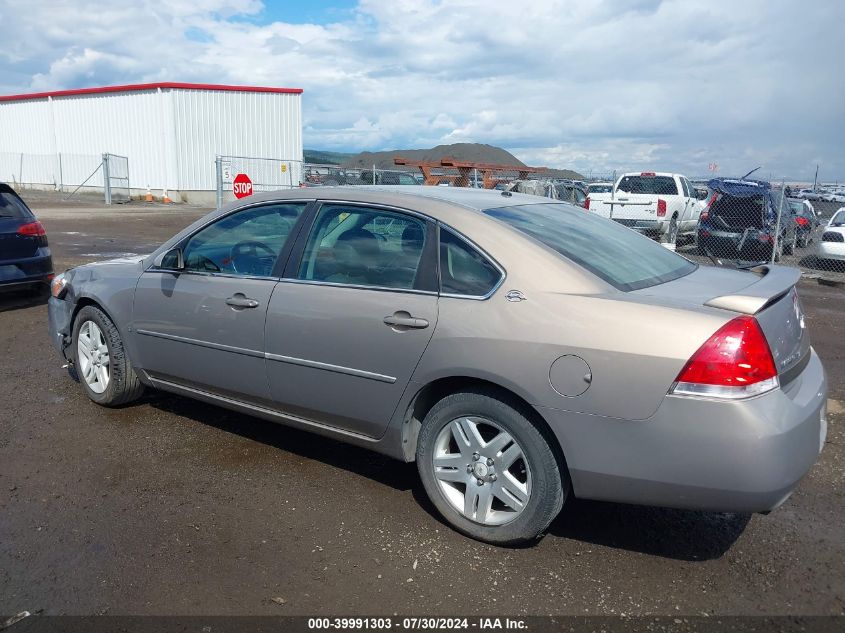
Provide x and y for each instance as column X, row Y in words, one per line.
column 520, row 350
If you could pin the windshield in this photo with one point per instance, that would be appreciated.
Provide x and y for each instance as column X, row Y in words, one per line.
column 622, row 257
column 662, row 185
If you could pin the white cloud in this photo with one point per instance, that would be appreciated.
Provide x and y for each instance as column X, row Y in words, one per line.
column 589, row 84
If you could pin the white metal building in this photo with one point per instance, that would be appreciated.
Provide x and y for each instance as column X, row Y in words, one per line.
column 170, row 133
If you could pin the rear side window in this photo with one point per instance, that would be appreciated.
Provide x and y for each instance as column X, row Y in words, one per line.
column 463, row 270
column 616, row 254
column 364, row 246
column 661, row 185
column 12, row 207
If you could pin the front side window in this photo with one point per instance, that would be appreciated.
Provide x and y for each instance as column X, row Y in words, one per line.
column 612, row 252
column 463, row 270
column 363, row 246
column 247, row 242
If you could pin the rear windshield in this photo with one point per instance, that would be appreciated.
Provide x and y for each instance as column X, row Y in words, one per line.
column 729, row 212
column 622, row 257
column 12, row 207
column 663, row 185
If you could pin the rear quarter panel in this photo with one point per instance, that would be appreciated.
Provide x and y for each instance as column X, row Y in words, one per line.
column 635, row 349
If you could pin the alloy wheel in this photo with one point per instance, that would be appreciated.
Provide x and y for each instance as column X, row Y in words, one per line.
column 93, row 357
column 481, row 470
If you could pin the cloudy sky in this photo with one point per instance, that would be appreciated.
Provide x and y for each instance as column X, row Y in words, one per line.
column 595, row 85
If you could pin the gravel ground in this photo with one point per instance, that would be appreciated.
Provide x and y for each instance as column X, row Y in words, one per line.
column 171, row 506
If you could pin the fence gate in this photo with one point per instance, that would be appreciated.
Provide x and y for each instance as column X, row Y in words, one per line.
column 266, row 174
column 116, row 178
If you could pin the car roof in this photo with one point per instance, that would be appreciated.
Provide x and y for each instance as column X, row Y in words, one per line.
column 411, row 197
column 739, row 188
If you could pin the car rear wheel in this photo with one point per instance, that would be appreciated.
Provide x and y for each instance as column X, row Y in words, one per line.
column 100, row 360
column 789, row 249
column 672, row 231
column 488, row 470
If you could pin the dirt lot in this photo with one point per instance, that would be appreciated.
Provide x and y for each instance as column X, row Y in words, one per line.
column 174, row 507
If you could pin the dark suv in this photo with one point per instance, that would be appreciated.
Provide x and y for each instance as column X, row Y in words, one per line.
column 741, row 221
column 24, row 254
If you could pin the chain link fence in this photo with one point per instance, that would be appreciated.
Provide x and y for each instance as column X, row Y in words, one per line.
column 735, row 223
column 68, row 173
column 261, row 174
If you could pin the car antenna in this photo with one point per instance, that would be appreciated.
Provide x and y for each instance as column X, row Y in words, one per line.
column 750, row 172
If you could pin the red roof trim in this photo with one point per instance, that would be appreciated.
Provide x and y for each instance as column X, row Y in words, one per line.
column 155, row 86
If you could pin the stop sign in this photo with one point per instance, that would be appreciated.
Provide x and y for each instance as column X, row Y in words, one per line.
column 242, row 186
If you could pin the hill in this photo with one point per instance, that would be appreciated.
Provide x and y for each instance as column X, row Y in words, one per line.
column 477, row 152
column 325, row 158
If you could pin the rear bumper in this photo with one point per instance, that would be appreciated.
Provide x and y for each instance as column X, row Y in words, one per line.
column 26, row 271
column 832, row 250
column 701, row 454
column 59, row 315
column 647, row 227
column 727, row 243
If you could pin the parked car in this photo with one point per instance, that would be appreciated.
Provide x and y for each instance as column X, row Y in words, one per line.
column 834, row 196
column 571, row 193
column 832, row 244
column 478, row 333
column 806, row 221
column 332, row 176
column 741, row 221
column 25, row 259
column 599, row 187
column 660, row 205
column 808, row 194
column 388, row 177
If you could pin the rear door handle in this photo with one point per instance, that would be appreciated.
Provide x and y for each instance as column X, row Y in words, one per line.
column 404, row 319
column 238, row 300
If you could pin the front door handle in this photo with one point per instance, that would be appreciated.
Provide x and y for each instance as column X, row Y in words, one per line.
column 238, row 300
column 403, row 320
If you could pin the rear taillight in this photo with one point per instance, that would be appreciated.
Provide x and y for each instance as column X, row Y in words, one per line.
column 802, row 221
column 661, row 208
column 32, row 229
column 587, row 204
column 735, row 362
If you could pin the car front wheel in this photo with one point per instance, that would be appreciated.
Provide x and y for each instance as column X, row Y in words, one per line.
column 100, row 360
column 488, row 469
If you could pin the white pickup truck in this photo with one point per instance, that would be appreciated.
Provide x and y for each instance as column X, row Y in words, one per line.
column 657, row 204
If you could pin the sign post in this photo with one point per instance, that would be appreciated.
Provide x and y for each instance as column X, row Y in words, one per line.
column 242, row 186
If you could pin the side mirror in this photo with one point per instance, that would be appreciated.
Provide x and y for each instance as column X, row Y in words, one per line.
column 171, row 260
column 701, row 194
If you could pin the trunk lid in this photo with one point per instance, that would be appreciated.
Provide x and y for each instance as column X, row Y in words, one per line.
column 14, row 246
column 767, row 292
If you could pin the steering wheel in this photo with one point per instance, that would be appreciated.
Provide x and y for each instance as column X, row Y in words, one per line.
column 248, row 249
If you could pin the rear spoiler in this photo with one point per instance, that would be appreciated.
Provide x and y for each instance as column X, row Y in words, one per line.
column 775, row 281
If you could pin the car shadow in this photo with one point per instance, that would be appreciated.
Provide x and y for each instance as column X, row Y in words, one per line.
column 678, row 534
column 19, row 299
column 379, row 468
column 669, row 533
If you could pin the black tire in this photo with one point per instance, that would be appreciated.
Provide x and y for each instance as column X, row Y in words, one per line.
column 123, row 384
column 550, row 483
column 671, row 236
column 789, row 249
